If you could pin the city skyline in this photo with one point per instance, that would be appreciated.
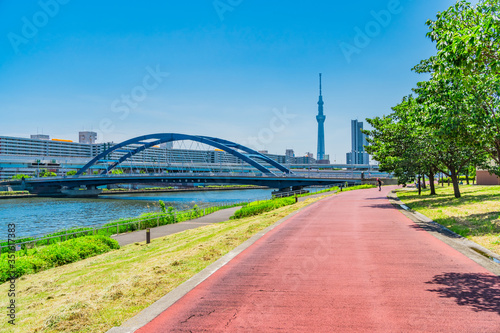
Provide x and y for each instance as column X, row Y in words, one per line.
column 237, row 71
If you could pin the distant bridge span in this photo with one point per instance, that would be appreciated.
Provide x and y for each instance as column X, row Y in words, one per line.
column 249, row 156
column 279, row 182
column 271, row 174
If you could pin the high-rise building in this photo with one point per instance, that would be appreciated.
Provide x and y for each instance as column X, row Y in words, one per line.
column 321, row 126
column 358, row 143
column 87, row 137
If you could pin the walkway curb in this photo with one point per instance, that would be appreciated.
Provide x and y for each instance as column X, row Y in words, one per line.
column 473, row 251
column 155, row 309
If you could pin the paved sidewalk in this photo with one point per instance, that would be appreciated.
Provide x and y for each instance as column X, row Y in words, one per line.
column 348, row 263
column 164, row 230
column 169, row 229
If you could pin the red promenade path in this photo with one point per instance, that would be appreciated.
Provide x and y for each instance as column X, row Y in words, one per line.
column 349, row 263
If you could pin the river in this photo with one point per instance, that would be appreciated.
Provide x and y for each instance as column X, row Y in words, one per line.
column 38, row 216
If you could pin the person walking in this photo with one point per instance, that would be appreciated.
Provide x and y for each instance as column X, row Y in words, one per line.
column 379, row 182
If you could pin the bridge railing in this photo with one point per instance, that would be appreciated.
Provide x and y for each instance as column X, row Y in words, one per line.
column 296, row 174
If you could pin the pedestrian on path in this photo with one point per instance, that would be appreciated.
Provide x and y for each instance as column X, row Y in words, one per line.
column 379, row 182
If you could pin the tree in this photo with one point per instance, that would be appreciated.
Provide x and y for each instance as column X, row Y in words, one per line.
column 45, row 173
column 401, row 145
column 446, row 113
column 454, row 123
column 468, row 44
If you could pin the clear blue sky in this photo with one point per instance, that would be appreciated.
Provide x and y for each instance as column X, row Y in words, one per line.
column 232, row 66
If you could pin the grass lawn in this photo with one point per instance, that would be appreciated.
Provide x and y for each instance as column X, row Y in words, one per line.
column 476, row 215
column 98, row 293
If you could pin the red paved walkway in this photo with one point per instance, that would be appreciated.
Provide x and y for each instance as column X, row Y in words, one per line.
column 350, row 262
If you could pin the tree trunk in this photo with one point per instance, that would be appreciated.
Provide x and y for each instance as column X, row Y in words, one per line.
column 419, row 186
column 431, row 182
column 442, row 180
column 467, row 176
column 454, row 179
column 424, row 186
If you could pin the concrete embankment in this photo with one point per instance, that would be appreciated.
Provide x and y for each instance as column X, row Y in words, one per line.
column 199, row 189
column 112, row 192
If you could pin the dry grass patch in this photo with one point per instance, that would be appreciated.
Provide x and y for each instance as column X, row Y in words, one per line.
column 98, row 293
column 476, row 215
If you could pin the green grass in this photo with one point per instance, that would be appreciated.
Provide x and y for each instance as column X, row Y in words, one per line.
column 10, row 193
column 34, row 260
column 259, row 207
column 358, row 187
column 476, row 215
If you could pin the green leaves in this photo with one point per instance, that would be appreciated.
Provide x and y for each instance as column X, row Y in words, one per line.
column 453, row 122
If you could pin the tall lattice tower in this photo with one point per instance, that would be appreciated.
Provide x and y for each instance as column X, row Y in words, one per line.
column 321, row 126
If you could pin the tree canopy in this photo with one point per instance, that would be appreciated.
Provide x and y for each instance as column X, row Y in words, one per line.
column 453, row 122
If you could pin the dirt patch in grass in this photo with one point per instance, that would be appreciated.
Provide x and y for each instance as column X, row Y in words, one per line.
column 476, row 215
column 95, row 294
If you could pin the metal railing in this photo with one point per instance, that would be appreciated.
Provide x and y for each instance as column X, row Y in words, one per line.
column 94, row 229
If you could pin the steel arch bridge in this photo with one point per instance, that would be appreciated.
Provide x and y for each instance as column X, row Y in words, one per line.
column 249, row 155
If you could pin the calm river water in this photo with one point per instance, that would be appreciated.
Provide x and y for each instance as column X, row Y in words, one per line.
column 36, row 216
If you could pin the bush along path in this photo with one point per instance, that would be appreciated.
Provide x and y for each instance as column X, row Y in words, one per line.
column 29, row 261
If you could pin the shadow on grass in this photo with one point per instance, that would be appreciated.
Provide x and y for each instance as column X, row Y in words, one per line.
column 473, row 224
column 431, row 227
column 479, row 291
column 467, row 224
column 426, row 200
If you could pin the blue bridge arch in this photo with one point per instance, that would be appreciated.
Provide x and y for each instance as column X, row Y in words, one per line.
column 249, row 156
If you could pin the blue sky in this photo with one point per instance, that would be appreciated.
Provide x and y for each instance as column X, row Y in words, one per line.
column 242, row 70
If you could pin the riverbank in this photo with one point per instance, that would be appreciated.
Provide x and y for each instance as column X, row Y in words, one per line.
column 8, row 195
column 15, row 194
column 98, row 293
column 474, row 216
column 194, row 189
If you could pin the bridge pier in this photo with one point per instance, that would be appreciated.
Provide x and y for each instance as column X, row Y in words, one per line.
column 78, row 192
column 58, row 191
column 289, row 191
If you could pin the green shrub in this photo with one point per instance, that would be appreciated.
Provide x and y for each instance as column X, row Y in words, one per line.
column 258, row 207
column 58, row 254
column 358, row 187
column 86, row 247
column 21, row 176
column 30, row 265
column 4, row 270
